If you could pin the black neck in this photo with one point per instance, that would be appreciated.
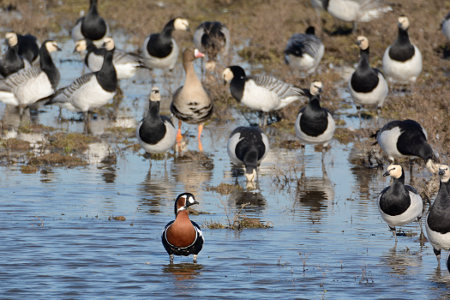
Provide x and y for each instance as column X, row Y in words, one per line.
column 107, row 76
column 47, row 65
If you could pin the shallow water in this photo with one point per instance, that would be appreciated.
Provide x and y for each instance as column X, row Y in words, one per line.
column 59, row 237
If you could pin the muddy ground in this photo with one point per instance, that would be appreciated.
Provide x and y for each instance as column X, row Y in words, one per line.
column 259, row 31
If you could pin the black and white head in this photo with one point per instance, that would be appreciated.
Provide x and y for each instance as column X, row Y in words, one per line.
column 316, row 88
column 395, row 171
column 52, row 46
column 11, row 38
column 184, row 201
column 444, row 172
column 403, row 22
column 227, row 75
column 80, row 46
column 362, row 42
column 155, row 96
column 108, row 43
column 181, row 24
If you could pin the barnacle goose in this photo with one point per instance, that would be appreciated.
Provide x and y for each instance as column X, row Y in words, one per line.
column 159, row 49
column 248, row 146
column 212, row 38
column 304, row 52
column 261, row 92
column 399, row 204
column 30, row 85
column 367, row 85
column 402, row 61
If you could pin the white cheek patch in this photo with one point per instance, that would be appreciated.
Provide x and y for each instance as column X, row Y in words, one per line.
column 191, row 200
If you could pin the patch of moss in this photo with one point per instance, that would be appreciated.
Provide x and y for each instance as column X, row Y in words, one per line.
column 225, row 188
column 56, row 159
column 71, row 142
column 15, row 145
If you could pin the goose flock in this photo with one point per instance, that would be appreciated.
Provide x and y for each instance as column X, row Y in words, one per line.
column 29, row 76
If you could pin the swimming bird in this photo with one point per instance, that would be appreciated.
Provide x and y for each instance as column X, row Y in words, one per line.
column 91, row 26
column 248, row 146
column 399, row 204
column 367, row 85
column 91, row 90
column 314, row 124
column 28, row 47
column 156, row 133
column 212, row 38
column 353, row 10
column 406, row 138
column 438, row 220
column 30, row 85
column 261, row 92
column 125, row 63
column 304, row 52
column 402, row 61
column 11, row 61
column 183, row 236
column 159, row 49
column 190, row 102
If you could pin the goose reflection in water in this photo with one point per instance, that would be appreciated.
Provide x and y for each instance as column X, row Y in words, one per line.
column 193, row 169
column 315, row 193
column 251, row 201
column 154, row 191
column 183, row 271
column 405, row 262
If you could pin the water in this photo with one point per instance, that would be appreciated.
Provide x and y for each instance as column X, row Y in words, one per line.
column 60, row 237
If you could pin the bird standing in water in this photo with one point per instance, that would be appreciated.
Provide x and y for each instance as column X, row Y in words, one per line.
column 183, row 236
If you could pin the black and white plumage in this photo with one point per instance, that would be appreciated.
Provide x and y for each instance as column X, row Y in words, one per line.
column 367, row 85
column 11, row 61
column 125, row 63
column 438, row 220
column 445, row 26
column 183, row 236
column 91, row 26
column 212, row 38
column 261, row 92
column 406, row 138
column 399, row 204
column 304, row 52
column 28, row 47
column 248, row 146
column 91, row 90
column 156, row 133
column 30, row 85
column 159, row 49
column 353, row 10
column 314, row 124
column 402, row 61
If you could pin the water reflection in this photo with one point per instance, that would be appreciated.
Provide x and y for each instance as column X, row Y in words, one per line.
column 154, row 190
column 315, row 193
column 402, row 262
column 183, row 271
column 253, row 201
column 193, row 169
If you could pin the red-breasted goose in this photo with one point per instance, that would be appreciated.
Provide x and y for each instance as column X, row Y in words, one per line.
column 183, row 236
